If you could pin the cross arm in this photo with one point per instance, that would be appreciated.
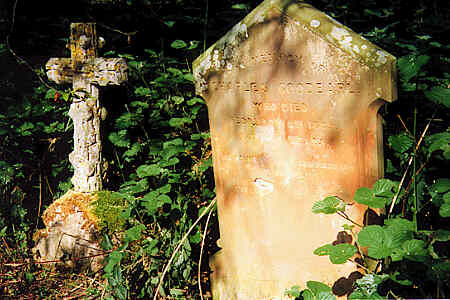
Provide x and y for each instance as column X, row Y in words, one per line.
column 101, row 71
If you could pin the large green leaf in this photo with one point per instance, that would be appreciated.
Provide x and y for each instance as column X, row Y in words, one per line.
column 442, row 185
column 415, row 250
column 366, row 196
column 339, row 254
column 179, row 122
column 439, row 141
column 134, row 233
column 401, row 142
column 378, row 241
column 319, row 291
column 317, row 287
column 399, row 230
column 148, row 170
column 134, row 187
column 329, row 205
column 178, row 44
column 439, row 95
column 444, row 210
column 113, row 259
column 409, row 66
column 119, row 139
column 294, row 291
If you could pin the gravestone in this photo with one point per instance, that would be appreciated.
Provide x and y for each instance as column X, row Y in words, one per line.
column 293, row 99
column 86, row 72
column 71, row 227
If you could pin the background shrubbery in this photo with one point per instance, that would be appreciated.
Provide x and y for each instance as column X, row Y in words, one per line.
column 156, row 141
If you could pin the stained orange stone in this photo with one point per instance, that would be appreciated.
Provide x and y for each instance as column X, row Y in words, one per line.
column 292, row 98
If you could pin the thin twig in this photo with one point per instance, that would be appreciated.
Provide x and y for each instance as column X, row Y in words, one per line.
column 345, row 216
column 55, row 261
column 201, row 255
column 407, row 168
column 180, row 243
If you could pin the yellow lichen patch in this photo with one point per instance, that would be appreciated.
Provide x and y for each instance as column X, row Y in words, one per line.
column 71, row 202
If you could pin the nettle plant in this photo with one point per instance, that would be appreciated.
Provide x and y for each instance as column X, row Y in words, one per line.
column 160, row 150
column 406, row 255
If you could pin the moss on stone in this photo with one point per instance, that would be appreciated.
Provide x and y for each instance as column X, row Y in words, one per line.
column 108, row 207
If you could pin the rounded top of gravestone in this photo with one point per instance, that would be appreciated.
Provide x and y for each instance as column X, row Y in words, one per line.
column 219, row 56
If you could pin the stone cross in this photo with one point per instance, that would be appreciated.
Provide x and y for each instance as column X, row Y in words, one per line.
column 293, row 99
column 86, row 72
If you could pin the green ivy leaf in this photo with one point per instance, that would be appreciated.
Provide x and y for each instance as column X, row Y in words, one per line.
column 119, row 139
column 128, row 120
column 132, row 152
column 149, row 201
column 193, row 44
column 195, row 100
column 151, row 52
column 169, row 23
column 177, row 100
column 196, row 238
column 444, row 210
column 142, row 91
column 442, row 235
column 189, row 77
column 148, row 170
column 415, row 250
column 164, row 199
column 360, row 295
column 442, row 185
column 324, row 250
column 366, row 196
column 439, row 95
column 342, row 252
column 377, row 197
column 401, row 142
column 106, row 242
column 400, row 230
column 179, row 122
column 171, row 162
column 409, row 66
column 320, row 291
column 339, row 254
column 329, row 205
column 151, row 247
column 113, row 259
column 240, row 6
column 133, row 187
column 317, row 287
column 178, row 44
column 175, row 71
column 376, row 238
column 294, row 291
column 165, row 189
column 134, row 233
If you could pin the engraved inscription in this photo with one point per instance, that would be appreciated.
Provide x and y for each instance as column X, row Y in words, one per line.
column 310, row 87
column 281, row 107
column 286, row 87
column 268, row 57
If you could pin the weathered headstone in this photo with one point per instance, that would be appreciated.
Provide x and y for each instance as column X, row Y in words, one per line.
column 70, row 225
column 292, row 97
